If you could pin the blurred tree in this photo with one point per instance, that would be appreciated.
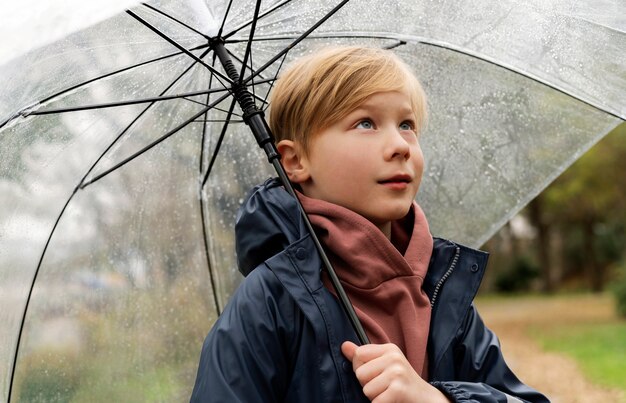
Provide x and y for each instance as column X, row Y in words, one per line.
column 585, row 206
column 619, row 289
column 538, row 218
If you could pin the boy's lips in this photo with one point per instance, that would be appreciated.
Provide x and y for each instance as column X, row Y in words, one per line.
column 397, row 181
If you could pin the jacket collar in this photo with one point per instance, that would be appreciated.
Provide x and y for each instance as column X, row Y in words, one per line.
column 266, row 224
column 454, row 276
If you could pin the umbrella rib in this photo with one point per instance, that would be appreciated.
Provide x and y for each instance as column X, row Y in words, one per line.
column 134, row 66
column 218, row 145
column 219, row 33
column 252, row 83
column 248, row 52
column 203, row 183
column 124, row 103
column 205, row 234
column 265, row 13
column 319, row 36
column 395, row 45
column 163, row 13
column 30, row 292
column 204, row 128
column 280, row 66
column 216, row 108
column 151, row 145
column 199, row 102
column 225, row 111
column 297, row 40
column 241, row 61
column 29, row 110
column 218, row 121
column 179, row 46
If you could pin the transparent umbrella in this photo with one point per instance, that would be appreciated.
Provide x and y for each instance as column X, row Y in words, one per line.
column 123, row 159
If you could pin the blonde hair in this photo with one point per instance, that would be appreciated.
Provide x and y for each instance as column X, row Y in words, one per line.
column 320, row 89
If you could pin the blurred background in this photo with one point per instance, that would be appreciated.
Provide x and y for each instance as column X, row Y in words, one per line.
column 128, row 286
column 555, row 288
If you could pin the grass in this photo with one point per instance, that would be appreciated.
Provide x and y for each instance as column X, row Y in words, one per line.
column 599, row 348
column 581, row 326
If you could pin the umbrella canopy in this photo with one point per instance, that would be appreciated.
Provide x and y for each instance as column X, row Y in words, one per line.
column 31, row 23
column 120, row 178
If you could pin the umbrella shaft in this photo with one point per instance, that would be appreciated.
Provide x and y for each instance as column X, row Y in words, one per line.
column 240, row 91
column 255, row 118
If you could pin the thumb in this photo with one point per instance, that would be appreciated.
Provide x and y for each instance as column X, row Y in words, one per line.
column 348, row 349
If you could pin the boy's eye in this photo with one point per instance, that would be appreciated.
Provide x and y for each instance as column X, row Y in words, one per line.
column 406, row 126
column 365, row 124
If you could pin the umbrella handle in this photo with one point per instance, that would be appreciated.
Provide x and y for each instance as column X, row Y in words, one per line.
column 255, row 119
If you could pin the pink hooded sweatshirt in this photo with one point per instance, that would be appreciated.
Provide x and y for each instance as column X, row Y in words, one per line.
column 383, row 278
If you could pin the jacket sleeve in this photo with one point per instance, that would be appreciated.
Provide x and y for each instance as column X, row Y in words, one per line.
column 482, row 374
column 244, row 358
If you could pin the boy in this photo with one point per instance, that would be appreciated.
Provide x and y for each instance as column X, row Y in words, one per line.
column 346, row 122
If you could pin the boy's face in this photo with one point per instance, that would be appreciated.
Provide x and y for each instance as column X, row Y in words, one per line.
column 370, row 161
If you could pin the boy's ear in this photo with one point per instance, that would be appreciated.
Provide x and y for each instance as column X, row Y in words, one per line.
column 293, row 160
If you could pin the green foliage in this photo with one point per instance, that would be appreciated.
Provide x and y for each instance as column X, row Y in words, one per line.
column 592, row 188
column 585, row 208
column 599, row 349
column 619, row 289
column 156, row 385
column 144, row 348
column 54, row 378
column 518, row 276
column 610, row 239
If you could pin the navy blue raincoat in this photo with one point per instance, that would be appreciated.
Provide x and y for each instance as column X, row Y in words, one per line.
column 279, row 337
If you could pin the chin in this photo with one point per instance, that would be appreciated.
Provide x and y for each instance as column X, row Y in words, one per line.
column 398, row 213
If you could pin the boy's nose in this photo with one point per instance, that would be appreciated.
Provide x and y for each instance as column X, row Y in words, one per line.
column 397, row 146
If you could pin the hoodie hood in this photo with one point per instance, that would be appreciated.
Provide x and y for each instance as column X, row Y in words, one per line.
column 267, row 223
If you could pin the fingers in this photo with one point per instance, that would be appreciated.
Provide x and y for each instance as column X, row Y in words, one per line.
column 370, row 361
column 348, row 349
column 375, row 386
column 359, row 355
column 384, row 372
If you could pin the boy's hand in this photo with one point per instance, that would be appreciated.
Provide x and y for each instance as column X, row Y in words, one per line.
column 387, row 376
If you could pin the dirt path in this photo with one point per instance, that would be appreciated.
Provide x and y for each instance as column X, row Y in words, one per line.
column 556, row 375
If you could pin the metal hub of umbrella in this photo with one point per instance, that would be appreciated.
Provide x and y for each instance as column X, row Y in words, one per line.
column 126, row 149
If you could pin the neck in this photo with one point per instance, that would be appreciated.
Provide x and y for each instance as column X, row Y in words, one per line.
column 385, row 228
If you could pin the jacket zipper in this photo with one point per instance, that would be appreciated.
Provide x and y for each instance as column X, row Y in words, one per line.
column 445, row 276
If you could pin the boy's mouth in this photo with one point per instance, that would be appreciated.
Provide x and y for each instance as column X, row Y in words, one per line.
column 401, row 178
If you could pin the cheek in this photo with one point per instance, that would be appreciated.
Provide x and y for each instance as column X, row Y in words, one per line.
column 418, row 160
column 342, row 157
